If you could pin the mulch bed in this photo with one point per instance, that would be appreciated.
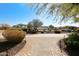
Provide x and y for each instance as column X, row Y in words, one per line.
column 10, row 49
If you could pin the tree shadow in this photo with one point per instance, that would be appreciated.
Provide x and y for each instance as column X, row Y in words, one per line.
column 70, row 51
column 11, row 48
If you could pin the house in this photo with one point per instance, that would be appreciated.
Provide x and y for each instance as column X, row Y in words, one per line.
column 43, row 29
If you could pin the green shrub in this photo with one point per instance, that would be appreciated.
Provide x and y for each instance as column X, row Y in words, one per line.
column 77, row 30
column 72, row 40
column 57, row 31
column 14, row 35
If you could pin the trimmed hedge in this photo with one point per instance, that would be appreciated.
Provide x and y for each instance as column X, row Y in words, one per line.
column 57, row 31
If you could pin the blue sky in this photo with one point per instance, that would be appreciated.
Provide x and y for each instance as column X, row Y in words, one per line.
column 12, row 13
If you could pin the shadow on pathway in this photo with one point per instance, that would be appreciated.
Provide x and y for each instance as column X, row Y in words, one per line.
column 10, row 49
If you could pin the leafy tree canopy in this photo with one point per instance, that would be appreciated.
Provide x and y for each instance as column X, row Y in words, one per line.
column 65, row 10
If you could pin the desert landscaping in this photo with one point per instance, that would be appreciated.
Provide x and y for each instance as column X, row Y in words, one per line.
column 40, row 44
column 39, row 29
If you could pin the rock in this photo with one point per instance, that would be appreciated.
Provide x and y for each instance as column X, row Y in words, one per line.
column 3, row 54
column 2, row 38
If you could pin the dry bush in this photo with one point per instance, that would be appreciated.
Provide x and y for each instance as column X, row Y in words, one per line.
column 14, row 35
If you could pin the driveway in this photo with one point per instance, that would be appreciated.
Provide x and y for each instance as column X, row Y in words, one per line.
column 42, row 45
